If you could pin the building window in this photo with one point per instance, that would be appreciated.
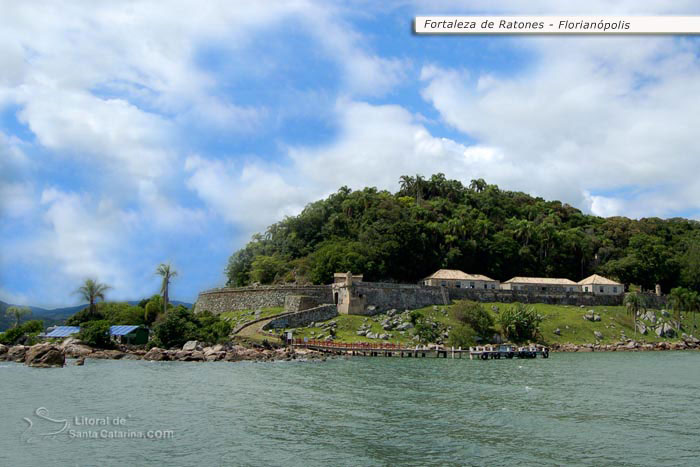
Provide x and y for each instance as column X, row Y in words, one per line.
column 585, row 289
column 493, row 286
column 444, row 284
column 486, row 286
column 602, row 290
column 471, row 285
column 458, row 285
column 614, row 289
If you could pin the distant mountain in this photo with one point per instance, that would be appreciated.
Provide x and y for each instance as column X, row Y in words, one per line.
column 56, row 316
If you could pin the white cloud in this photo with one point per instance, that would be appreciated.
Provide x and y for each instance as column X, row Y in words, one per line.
column 376, row 145
column 590, row 115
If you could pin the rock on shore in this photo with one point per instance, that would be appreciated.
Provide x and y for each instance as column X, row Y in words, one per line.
column 45, row 356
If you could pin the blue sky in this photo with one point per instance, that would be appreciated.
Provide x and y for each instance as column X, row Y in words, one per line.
column 133, row 134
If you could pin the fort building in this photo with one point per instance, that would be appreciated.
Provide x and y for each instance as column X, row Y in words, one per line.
column 459, row 279
column 599, row 285
column 541, row 284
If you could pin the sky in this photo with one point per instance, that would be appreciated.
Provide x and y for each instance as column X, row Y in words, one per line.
column 134, row 133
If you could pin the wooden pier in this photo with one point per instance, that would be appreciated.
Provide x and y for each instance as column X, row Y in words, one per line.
column 384, row 349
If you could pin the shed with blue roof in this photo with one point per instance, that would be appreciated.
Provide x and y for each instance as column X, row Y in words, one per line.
column 63, row 331
column 136, row 335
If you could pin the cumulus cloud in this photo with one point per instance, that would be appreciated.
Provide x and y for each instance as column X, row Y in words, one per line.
column 586, row 117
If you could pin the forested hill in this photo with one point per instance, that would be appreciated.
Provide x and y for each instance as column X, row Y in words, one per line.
column 439, row 223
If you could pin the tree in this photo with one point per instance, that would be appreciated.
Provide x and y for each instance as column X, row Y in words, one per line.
column 96, row 334
column 91, row 291
column 520, row 322
column 678, row 300
column 17, row 313
column 634, row 302
column 153, row 309
column 177, row 327
column 167, row 273
column 475, row 316
column 693, row 302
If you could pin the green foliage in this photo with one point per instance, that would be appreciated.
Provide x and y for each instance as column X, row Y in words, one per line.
column 435, row 222
column 83, row 316
column 154, row 307
column 121, row 313
column 22, row 334
column 267, row 269
column 180, row 325
column 475, row 316
column 520, row 322
column 17, row 313
column 96, row 334
column 461, row 335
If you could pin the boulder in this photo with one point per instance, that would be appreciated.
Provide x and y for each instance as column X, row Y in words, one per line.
column 45, row 356
column 3, row 351
column 192, row 345
column 391, row 312
column 404, row 326
column 641, row 328
column 631, row 345
column 80, row 361
column 77, row 350
column 16, row 353
column 156, row 354
column 598, row 335
column 361, row 332
column 665, row 330
column 384, row 336
column 665, row 314
column 557, row 331
column 213, row 349
column 107, row 354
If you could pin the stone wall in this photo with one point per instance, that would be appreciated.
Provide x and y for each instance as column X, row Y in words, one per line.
column 380, row 297
column 294, row 303
column 254, row 298
column 510, row 296
column 303, row 318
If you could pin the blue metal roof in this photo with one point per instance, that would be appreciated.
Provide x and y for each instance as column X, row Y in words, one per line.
column 63, row 331
column 122, row 330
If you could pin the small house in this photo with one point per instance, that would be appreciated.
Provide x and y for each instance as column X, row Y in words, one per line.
column 136, row 335
column 599, row 285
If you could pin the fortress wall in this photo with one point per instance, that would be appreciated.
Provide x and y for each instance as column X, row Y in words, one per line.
column 385, row 296
column 254, row 298
column 510, row 296
column 303, row 318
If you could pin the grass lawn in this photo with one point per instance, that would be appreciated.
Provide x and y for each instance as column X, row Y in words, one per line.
column 568, row 319
column 239, row 317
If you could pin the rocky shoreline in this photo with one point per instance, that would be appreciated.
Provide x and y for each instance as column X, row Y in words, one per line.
column 48, row 355
column 686, row 343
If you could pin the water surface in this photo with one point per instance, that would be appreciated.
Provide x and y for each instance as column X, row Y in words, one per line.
column 576, row 409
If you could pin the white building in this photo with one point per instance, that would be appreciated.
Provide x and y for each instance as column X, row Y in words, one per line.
column 599, row 285
column 458, row 279
column 541, row 284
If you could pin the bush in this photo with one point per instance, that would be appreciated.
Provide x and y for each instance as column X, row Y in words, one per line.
column 96, row 334
column 178, row 326
column 520, row 322
column 84, row 316
column 475, row 316
column 153, row 309
column 121, row 313
column 25, row 333
column 461, row 335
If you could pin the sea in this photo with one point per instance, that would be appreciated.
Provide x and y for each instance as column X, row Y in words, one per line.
column 597, row 409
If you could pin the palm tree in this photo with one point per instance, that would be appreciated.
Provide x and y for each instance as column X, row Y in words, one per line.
column 634, row 303
column 17, row 312
column 91, row 291
column 167, row 273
